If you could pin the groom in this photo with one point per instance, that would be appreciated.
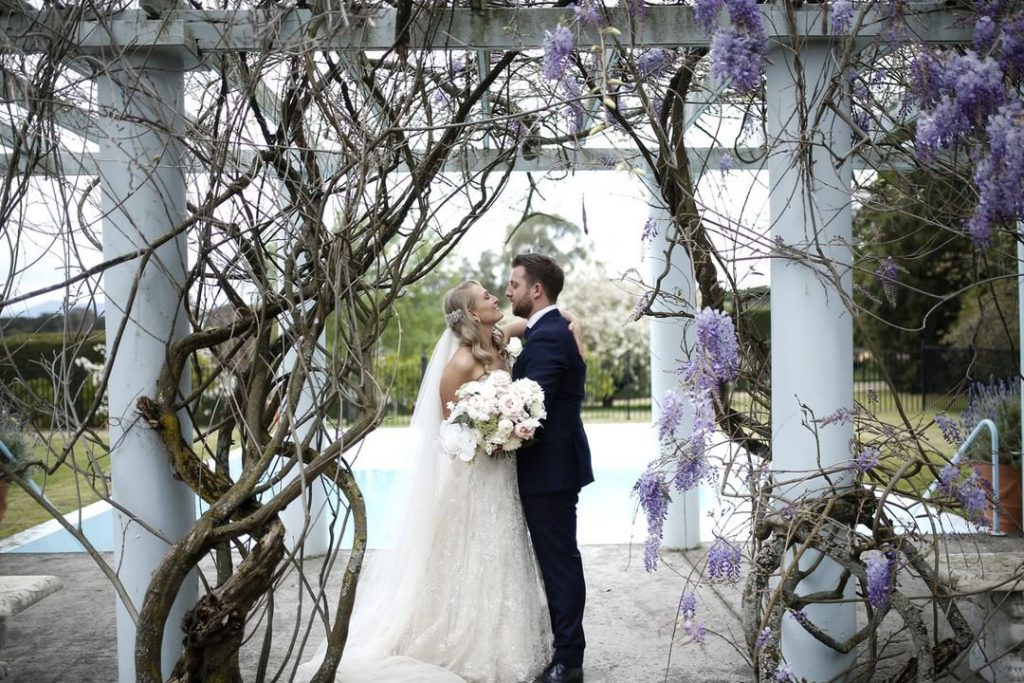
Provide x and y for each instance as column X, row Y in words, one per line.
column 556, row 466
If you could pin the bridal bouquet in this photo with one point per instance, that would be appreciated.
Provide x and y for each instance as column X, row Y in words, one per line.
column 492, row 415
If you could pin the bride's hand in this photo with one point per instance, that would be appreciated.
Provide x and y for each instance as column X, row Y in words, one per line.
column 575, row 326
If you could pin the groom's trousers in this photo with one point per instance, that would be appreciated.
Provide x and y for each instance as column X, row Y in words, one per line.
column 551, row 518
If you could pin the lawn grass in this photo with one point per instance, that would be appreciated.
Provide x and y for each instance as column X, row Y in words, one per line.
column 77, row 482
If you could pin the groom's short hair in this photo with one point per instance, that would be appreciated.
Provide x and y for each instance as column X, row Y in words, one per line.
column 542, row 269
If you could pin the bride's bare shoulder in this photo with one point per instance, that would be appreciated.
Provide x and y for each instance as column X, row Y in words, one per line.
column 461, row 368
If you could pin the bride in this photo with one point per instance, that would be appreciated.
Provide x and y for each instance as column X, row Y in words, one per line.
column 459, row 598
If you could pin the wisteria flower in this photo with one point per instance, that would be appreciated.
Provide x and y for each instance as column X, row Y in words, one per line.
column 737, row 58
column 984, row 34
column 650, row 229
column 784, row 674
column 970, row 492
column 716, row 353
column 950, row 431
column 879, row 568
column 642, row 303
column 999, row 173
column 673, row 408
column 724, row 562
column 654, row 502
column 1011, row 48
column 745, row 16
column 653, row 63
column 705, row 13
column 888, row 273
column 587, row 13
column 558, row 47
column 866, row 460
column 690, row 471
column 688, row 610
column 842, row 16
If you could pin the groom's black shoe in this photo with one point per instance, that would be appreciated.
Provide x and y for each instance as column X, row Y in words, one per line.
column 560, row 673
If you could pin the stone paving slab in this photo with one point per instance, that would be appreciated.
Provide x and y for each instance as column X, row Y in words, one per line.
column 630, row 622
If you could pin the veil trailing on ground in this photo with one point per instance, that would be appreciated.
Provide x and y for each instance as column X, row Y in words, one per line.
column 388, row 585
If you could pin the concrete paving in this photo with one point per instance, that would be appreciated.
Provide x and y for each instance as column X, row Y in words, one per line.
column 630, row 622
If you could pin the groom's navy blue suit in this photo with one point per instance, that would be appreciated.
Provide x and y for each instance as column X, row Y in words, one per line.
column 552, row 471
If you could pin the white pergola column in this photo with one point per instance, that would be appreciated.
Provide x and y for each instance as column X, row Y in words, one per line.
column 143, row 199
column 671, row 343
column 812, row 330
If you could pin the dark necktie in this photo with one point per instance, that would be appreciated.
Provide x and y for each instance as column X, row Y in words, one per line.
column 526, row 333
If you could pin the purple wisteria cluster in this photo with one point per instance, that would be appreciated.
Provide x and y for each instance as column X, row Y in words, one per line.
column 653, row 63
column 587, row 12
column 654, row 500
column 866, row 460
column 738, row 49
column 713, row 362
column 950, row 431
column 888, row 274
column 558, row 47
column 688, row 611
column 784, row 674
column 880, row 568
column 842, row 16
column 716, row 357
column 971, row 492
column 974, row 96
column 724, row 562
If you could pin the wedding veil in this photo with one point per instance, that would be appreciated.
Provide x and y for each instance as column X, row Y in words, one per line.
column 387, row 588
column 389, row 582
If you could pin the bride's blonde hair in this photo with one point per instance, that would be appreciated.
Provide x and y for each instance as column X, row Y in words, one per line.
column 457, row 303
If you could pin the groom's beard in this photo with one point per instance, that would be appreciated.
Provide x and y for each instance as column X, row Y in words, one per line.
column 521, row 310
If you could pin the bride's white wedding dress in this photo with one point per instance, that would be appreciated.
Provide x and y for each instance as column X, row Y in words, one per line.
column 460, row 597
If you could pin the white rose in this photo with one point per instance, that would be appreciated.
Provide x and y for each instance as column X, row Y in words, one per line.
column 487, row 390
column 514, row 347
column 479, row 408
column 504, row 429
column 526, row 430
column 511, row 405
column 468, row 389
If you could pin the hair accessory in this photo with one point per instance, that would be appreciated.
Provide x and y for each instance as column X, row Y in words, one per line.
column 453, row 318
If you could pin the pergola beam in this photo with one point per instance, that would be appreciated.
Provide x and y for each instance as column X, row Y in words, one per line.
column 280, row 29
column 472, row 161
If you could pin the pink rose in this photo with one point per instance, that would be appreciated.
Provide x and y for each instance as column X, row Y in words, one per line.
column 524, row 430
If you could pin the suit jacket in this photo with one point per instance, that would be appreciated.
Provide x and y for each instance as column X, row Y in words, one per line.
column 559, row 459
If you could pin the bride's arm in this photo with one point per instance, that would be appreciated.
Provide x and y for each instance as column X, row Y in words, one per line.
column 517, row 328
column 575, row 326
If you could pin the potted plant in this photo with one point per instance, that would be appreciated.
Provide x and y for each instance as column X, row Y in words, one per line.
column 999, row 402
